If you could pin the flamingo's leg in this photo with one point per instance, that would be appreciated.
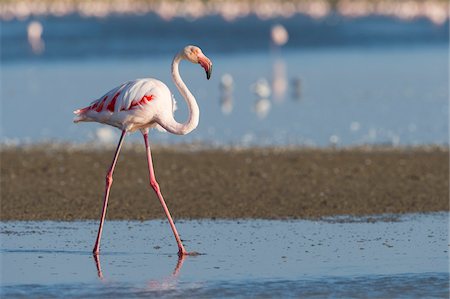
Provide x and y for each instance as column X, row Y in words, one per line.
column 109, row 180
column 155, row 186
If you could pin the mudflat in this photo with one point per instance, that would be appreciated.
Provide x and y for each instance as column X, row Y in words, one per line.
column 45, row 182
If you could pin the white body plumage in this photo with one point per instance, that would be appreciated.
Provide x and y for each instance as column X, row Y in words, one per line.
column 134, row 105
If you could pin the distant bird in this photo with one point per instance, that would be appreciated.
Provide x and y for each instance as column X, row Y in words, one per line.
column 261, row 88
column 34, row 33
column 279, row 81
column 279, row 35
column 140, row 105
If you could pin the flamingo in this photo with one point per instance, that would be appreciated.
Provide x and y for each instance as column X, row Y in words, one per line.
column 143, row 104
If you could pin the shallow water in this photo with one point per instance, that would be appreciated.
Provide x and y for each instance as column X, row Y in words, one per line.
column 407, row 257
column 347, row 98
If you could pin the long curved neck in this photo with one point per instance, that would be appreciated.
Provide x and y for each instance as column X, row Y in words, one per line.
column 171, row 124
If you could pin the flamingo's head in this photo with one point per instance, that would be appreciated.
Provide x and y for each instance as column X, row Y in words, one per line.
column 195, row 55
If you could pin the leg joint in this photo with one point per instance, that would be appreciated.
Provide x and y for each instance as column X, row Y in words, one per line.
column 109, row 178
column 154, row 185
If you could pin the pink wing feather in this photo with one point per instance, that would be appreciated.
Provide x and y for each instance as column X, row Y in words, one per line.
column 120, row 98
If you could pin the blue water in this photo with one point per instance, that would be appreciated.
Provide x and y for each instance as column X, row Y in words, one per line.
column 338, row 81
column 123, row 36
column 403, row 256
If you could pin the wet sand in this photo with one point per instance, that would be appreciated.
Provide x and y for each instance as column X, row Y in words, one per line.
column 67, row 183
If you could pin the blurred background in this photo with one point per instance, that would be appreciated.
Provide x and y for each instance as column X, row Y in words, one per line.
column 302, row 73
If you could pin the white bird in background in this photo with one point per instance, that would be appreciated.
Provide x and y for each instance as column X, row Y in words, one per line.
column 104, row 135
column 34, row 33
column 279, row 35
column 261, row 88
column 140, row 105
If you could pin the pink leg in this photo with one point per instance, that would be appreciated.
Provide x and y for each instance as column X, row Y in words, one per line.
column 109, row 180
column 155, row 186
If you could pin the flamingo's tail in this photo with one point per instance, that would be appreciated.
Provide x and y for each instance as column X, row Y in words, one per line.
column 80, row 115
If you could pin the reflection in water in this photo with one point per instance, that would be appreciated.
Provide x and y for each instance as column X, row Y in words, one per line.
column 99, row 266
column 169, row 282
column 34, row 32
column 279, row 37
column 296, row 89
column 262, row 105
column 279, row 81
column 163, row 284
column 226, row 93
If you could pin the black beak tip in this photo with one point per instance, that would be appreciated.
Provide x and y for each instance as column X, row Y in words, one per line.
column 208, row 73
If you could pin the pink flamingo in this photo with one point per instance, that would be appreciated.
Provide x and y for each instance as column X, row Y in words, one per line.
column 140, row 105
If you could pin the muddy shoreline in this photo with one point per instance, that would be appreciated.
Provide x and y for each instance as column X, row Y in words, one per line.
column 67, row 183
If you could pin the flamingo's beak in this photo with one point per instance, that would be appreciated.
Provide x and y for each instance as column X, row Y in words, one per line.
column 206, row 64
